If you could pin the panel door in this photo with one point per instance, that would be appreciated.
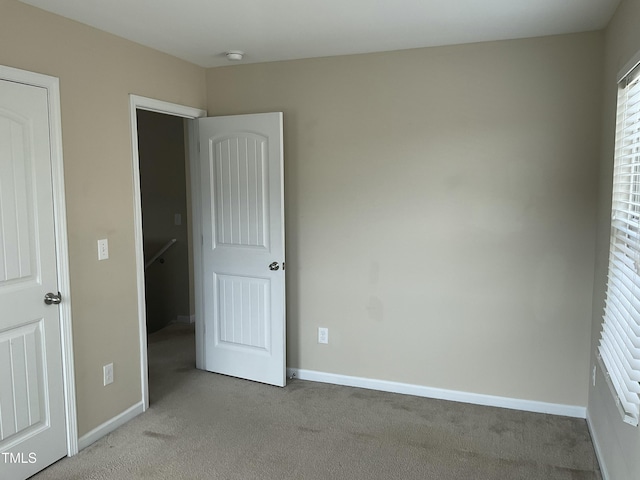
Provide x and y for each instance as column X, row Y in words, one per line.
column 241, row 168
column 32, row 417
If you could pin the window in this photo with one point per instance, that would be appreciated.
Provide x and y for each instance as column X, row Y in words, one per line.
column 619, row 349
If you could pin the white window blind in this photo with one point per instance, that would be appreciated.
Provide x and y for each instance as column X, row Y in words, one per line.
column 619, row 349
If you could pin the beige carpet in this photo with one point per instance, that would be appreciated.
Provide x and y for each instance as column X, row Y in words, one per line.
column 206, row 426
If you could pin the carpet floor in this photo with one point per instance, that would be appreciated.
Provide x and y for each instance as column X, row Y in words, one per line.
column 206, row 426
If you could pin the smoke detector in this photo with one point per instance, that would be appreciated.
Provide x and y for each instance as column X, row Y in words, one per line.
column 235, row 55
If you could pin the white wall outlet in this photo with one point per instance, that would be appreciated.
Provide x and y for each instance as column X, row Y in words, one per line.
column 323, row 335
column 107, row 372
column 103, row 249
column 177, row 219
column 593, row 376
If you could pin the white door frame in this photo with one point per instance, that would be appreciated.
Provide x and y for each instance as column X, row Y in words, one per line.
column 137, row 102
column 52, row 85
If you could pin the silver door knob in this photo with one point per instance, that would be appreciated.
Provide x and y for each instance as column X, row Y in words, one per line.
column 274, row 266
column 52, row 298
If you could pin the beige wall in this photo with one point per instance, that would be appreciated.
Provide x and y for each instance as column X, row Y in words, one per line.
column 619, row 443
column 440, row 210
column 97, row 73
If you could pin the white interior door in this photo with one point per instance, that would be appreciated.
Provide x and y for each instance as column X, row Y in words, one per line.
column 243, row 284
column 32, row 411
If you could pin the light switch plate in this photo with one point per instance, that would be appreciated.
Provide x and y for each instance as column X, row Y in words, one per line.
column 323, row 335
column 103, row 249
column 107, row 373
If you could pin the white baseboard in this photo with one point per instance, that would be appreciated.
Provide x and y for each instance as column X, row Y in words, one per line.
column 441, row 394
column 110, row 425
column 186, row 319
column 596, row 447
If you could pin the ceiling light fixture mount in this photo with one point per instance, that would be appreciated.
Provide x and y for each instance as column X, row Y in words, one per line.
column 234, row 55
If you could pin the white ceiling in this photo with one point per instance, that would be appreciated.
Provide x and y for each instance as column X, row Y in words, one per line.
column 201, row 31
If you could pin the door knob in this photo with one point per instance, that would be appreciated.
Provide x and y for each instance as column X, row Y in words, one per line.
column 52, row 298
column 274, row 266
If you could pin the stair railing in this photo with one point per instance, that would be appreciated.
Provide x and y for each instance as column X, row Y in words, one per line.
column 160, row 252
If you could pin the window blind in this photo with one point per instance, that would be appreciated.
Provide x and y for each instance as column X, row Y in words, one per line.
column 619, row 348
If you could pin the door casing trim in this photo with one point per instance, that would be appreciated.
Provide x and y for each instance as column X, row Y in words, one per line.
column 137, row 102
column 52, row 85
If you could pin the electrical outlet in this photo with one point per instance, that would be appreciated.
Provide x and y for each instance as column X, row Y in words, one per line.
column 593, row 376
column 103, row 249
column 107, row 372
column 323, row 335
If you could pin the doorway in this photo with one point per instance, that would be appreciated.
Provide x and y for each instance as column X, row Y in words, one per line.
column 165, row 220
column 166, row 195
column 170, row 310
column 242, row 137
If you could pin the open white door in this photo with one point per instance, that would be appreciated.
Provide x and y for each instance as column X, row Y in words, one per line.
column 243, row 278
column 32, row 408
